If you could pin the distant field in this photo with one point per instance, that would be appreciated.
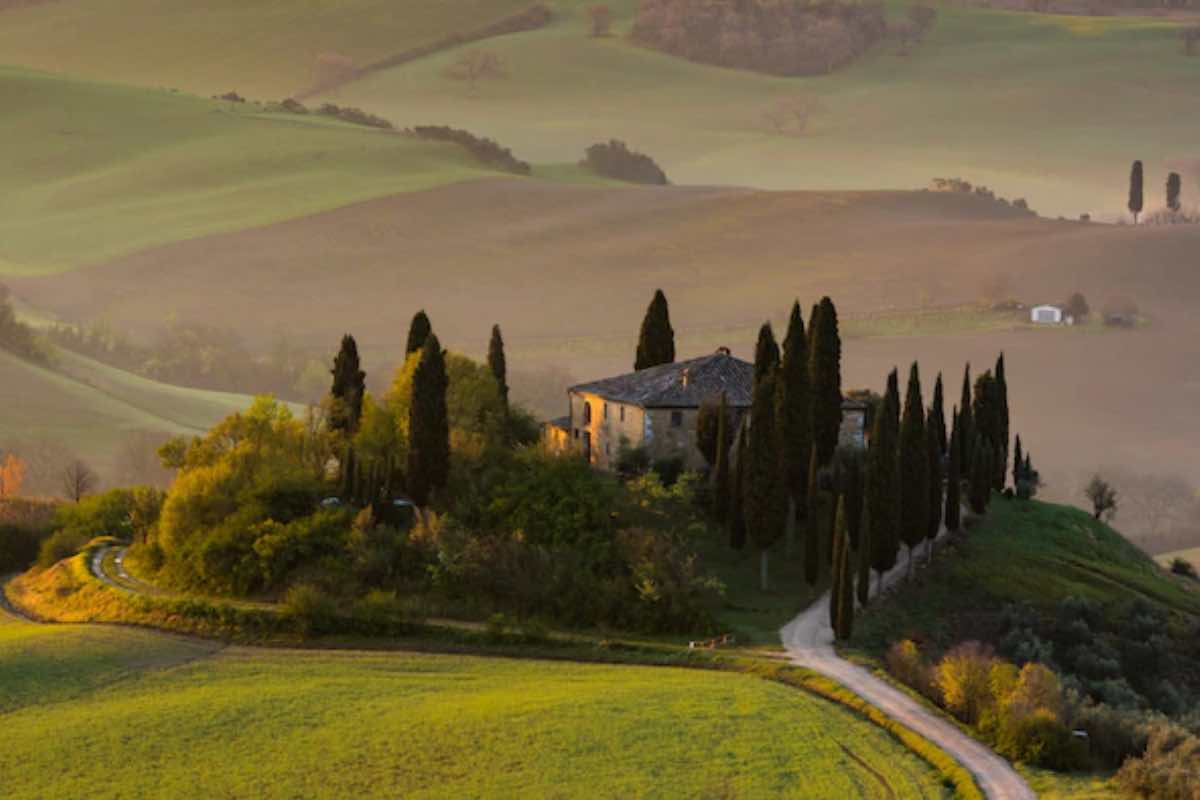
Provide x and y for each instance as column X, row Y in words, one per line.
column 154, row 716
column 94, row 171
column 264, row 49
column 1045, row 107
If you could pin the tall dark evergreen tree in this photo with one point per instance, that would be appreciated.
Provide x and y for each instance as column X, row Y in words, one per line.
column 656, row 343
column 813, row 524
column 766, row 353
column 883, row 481
column 1002, row 424
column 795, row 422
column 966, row 423
column 840, row 542
column 722, row 478
column 863, row 561
column 825, row 370
column 708, row 426
column 418, row 331
column 843, row 595
column 981, row 476
column 763, row 502
column 1136, row 199
column 498, row 364
column 1018, row 463
column 937, row 474
column 937, row 415
column 349, row 387
column 987, row 427
column 954, row 477
column 736, row 522
column 1174, row 186
column 428, row 425
column 851, row 485
column 914, row 468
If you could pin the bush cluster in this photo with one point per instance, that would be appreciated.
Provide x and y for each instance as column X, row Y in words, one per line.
column 354, row 116
column 615, row 160
column 15, row 336
column 960, row 186
column 485, row 150
column 127, row 514
column 781, row 38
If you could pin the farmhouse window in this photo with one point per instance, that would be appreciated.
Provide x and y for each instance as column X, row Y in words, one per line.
column 676, row 419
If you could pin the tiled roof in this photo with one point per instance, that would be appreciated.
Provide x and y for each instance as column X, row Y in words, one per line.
column 684, row 384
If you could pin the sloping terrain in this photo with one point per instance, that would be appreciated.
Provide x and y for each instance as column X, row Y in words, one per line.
column 93, row 171
column 264, row 49
column 567, row 272
column 152, row 715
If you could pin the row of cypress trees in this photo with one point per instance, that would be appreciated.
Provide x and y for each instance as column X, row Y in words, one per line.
column 427, row 467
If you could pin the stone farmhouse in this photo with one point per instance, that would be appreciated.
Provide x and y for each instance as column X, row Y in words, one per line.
column 656, row 408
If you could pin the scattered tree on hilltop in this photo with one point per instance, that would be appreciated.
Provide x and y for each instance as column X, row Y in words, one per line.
column 762, row 503
column 1135, row 190
column 825, row 369
column 78, row 480
column 795, row 421
column 882, row 513
column 349, row 386
column 1103, row 498
column 914, row 469
column 656, row 342
column 474, row 66
column 418, row 331
column 498, row 364
column 600, row 17
column 1077, row 307
column 428, row 425
column 615, row 160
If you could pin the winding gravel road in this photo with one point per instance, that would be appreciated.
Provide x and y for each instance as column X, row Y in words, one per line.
column 808, row 640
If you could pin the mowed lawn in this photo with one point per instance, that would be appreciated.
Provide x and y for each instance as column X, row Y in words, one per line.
column 1050, row 108
column 93, row 171
column 265, row 49
column 152, row 716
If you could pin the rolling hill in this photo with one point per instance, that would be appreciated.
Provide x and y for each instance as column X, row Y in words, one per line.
column 151, row 715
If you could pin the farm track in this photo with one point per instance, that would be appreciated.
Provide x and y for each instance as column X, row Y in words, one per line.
column 809, row 643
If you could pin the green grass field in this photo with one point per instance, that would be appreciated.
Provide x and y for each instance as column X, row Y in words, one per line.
column 156, row 716
column 93, row 171
column 264, row 49
column 1046, row 107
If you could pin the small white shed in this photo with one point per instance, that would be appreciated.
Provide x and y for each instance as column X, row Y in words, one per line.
column 1046, row 315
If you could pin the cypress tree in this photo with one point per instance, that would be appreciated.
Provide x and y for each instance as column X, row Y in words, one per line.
column 737, row 491
column 883, row 481
column 1135, row 190
column 836, row 577
column 795, row 421
column 937, row 415
column 844, row 581
column 812, row 534
column 428, row 425
column 987, row 427
column 349, row 387
column 863, row 554
column 936, row 481
column 498, row 364
column 1018, row 463
column 981, row 476
column 766, row 354
column 708, row 428
column 656, row 342
column 954, row 477
column 721, row 471
column 966, row 423
column 1174, row 185
column 762, row 504
column 914, row 468
column 418, row 331
column 852, row 487
column 825, row 354
column 1002, row 424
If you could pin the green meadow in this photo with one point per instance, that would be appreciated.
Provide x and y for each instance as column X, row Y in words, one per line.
column 155, row 716
column 94, row 171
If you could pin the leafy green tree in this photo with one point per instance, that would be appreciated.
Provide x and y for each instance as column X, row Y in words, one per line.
column 429, row 425
column 722, row 478
column 795, row 421
column 656, row 342
column 883, row 481
column 1136, row 199
column 954, row 477
column 825, row 354
column 418, row 331
column 498, row 364
column 1174, row 185
column 843, row 594
column 764, row 485
column 914, row 468
column 349, row 385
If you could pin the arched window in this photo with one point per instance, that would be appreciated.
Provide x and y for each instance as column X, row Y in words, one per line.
column 587, row 413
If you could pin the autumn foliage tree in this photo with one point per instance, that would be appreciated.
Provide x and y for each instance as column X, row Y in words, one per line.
column 12, row 475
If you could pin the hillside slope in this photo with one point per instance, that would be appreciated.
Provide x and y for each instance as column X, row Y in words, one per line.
column 93, row 171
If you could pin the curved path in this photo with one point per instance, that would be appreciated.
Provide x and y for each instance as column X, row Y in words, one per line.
column 808, row 640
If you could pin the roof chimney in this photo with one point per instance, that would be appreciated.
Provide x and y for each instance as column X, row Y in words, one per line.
column 685, row 375
column 723, row 351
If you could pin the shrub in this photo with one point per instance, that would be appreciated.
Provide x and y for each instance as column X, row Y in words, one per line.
column 906, row 664
column 485, row 150
column 311, row 609
column 59, row 545
column 355, row 116
column 19, row 547
column 963, row 677
column 668, row 470
column 1168, row 769
column 616, row 160
column 1180, row 566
